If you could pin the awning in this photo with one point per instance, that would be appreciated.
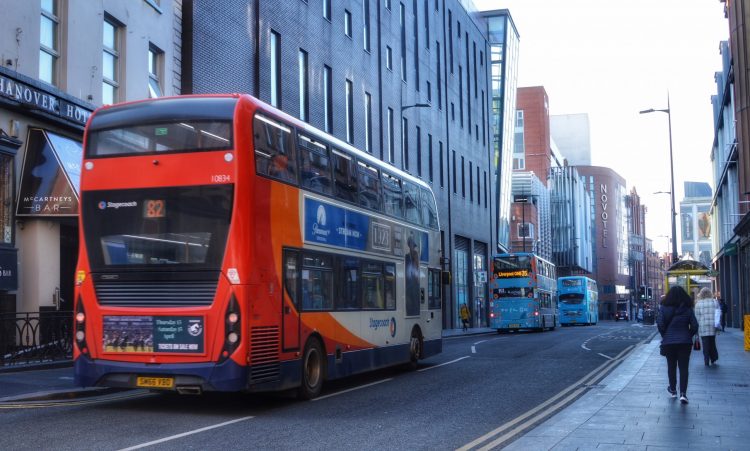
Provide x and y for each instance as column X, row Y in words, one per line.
column 50, row 176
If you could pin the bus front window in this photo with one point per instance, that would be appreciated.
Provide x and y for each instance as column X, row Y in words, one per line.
column 571, row 298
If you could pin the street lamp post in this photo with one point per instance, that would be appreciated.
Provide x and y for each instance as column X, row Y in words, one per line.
column 671, row 170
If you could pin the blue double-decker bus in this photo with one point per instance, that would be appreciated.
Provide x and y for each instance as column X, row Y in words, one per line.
column 524, row 291
column 579, row 300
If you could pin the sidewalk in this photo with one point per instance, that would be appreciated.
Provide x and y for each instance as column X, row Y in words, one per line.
column 631, row 409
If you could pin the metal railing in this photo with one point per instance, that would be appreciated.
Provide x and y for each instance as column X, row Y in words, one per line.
column 35, row 337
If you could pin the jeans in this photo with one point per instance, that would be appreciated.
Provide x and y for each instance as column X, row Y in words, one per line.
column 710, row 353
column 678, row 355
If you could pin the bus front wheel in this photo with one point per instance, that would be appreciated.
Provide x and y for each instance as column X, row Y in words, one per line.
column 313, row 370
column 415, row 349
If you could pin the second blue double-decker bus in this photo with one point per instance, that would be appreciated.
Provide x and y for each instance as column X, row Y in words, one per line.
column 579, row 300
column 524, row 291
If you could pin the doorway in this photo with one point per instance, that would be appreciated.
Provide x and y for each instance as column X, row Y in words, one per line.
column 68, row 261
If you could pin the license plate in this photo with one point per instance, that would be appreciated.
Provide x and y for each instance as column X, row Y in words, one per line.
column 155, row 382
column 514, row 326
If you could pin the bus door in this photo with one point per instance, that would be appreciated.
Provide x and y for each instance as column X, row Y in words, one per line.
column 290, row 298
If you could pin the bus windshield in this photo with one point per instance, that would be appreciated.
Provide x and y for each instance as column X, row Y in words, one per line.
column 164, row 227
column 512, row 263
column 571, row 298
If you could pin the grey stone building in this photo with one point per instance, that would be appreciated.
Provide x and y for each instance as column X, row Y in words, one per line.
column 408, row 81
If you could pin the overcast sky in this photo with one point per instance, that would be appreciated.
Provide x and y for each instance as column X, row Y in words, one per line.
column 611, row 59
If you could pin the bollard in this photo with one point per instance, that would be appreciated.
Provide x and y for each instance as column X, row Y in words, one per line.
column 747, row 332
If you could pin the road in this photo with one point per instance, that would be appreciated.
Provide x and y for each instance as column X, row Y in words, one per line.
column 482, row 391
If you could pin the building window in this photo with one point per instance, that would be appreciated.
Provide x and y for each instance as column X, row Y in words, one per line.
column 48, row 42
column 455, row 166
column 471, row 181
column 349, row 111
column 6, row 196
column 388, row 5
column 366, row 25
column 327, row 100
column 479, row 188
column 402, row 21
column 416, row 45
column 440, row 155
column 405, row 143
column 390, row 134
column 426, row 25
column 450, row 39
column 419, row 152
column 155, row 68
column 304, row 98
column 429, row 156
column 525, row 230
column 388, row 58
column 327, row 9
column 439, row 77
column 348, row 23
column 368, row 122
column 110, row 61
column 275, row 69
column 461, row 96
column 519, row 146
column 429, row 91
column 463, row 177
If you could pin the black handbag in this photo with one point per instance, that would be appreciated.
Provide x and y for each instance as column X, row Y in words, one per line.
column 697, row 344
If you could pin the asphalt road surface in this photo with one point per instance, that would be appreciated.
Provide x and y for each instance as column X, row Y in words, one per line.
column 481, row 392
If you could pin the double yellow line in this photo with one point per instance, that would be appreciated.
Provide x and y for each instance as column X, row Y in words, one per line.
column 512, row 428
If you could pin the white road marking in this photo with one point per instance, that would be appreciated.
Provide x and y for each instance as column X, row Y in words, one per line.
column 480, row 341
column 473, row 350
column 66, row 378
column 605, row 356
column 443, row 364
column 352, row 389
column 185, row 434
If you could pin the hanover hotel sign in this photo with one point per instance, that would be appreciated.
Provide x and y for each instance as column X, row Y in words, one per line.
column 38, row 99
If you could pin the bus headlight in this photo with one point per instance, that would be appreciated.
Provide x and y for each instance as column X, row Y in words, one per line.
column 232, row 329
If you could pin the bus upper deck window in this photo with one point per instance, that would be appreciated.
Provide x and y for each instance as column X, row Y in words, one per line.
column 275, row 154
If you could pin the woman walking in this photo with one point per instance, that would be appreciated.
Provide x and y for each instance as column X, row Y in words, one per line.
column 677, row 325
column 705, row 313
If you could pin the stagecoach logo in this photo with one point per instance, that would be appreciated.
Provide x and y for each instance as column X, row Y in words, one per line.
column 318, row 229
column 195, row 329
column 383, row 323
column 104, row 205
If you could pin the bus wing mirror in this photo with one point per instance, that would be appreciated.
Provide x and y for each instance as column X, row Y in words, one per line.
column 445, row 277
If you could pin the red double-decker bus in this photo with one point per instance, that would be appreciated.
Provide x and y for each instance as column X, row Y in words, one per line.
column 228, row 246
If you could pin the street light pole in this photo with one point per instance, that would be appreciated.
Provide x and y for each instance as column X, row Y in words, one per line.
column 671, row 170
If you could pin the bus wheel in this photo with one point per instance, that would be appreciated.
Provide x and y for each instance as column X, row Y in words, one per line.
column 312, row 370
column 415, row 349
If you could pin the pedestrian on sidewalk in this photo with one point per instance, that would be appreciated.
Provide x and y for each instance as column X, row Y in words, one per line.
column 705, row 313
column 723, row 307
column 677, row 325
column 465, row 316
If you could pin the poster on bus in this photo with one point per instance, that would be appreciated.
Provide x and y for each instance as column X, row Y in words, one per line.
column 153, row 334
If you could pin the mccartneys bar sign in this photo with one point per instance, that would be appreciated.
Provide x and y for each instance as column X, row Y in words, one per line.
column 43, row 101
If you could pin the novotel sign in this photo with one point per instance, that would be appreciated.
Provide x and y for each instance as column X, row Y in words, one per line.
column 604, row 199
column 38, row 99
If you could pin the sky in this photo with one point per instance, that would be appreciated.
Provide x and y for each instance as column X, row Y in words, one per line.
column 613, row 58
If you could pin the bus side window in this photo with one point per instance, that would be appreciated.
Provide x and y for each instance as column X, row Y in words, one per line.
column 389, row 274
column 347, row 278
column 275, row 154
column 315, row 168
column 393, row 198
column 344, row 176
column 433, row 289
column 429, row 210
column 411, row 203
column 369, row 186
column 291, row 276
column 372, row 286
column 317, row 282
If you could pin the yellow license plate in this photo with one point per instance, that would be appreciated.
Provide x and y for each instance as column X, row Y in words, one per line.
column 515, row 326
column 155, row 382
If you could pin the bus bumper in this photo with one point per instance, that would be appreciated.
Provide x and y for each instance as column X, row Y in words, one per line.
column 226, row 376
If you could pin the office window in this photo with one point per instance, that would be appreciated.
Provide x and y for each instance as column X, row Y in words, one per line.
column 479, row 188
column 327, row 100
column 455, row 166
column 402, row 21
column 349, row 111
column 426, row 24
column 485, row 189
column 275, row 69
column 327, row 9
column 484, row 130
column 440, row 155
column 155, row 68
column 429, row 91
column 429, row 156
column 476, row 83
column 388, row 58
column 461, row 95
column 471, row 181
column 463, row 177
column 366, row 25
column 439, row 77
column 388, row 5
column 368, row 122
column 450, row 39
column 304, row 97
column 416, row 45
column 389, row 121
column 110, row 61
column 49, row 50
column 405, row 143
column 419, row 152
column 347, row 23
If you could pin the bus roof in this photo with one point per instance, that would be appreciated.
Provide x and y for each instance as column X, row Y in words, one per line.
column 174, row 109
